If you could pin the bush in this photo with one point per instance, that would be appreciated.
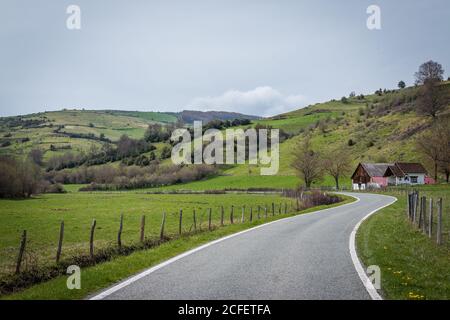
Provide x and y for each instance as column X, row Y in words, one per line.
column 351, row 142
column 47, row 187
column 18, row 178
column 146, row 177
column 5, row 144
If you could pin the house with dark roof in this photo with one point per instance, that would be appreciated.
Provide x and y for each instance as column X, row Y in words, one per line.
column 406, row 173
column 379, row 175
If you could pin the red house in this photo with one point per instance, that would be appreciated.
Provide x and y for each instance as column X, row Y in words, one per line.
column 370, row 175
column 378, row 175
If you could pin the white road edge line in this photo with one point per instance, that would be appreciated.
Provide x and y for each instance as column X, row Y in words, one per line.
column 356, row 262
column 144, row 273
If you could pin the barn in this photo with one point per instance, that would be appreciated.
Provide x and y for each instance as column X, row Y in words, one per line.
column 378, row 175
column 370, row 175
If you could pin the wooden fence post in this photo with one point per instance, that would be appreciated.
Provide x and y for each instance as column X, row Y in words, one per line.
column 424, row 221
column 161, row 233
column 221, row 216
column 231, row 214
column 23, row 242
column 265, row 212
column 251, row 214
column 180, row 225
column 273, row 209
column 259, row 212
column 119, row 234
column 430, row 219
column 439, row 222
column 60, row 242
column 408, row 206
column 298, row 204
column 243, row 214
column 419, row 224
column 142, row 236
column 285, row 208
column 279, row 209
column 416, row 206
column 195, row 221
column 91, row 239
column 209, row 219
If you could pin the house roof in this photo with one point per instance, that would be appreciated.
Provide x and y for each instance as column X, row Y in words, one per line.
column 376, row 169
column 394, row 170
column 411, row 167
column 400, row 169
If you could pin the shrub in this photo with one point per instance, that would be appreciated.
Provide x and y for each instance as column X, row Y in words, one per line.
column 5, row 144
column 146, row 177
column 18, row 178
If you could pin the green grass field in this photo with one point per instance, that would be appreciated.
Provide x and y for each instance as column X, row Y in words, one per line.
column 41, row 218
column 412, row 265
column 105, row 274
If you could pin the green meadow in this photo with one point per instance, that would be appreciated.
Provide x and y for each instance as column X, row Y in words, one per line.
column 41, row 217
column 412, row 265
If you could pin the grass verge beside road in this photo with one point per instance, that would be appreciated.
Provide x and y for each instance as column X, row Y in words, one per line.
column 105, row 274
column 412, row 265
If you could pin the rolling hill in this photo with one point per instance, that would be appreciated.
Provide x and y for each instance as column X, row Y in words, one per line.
column 380, row 127
column 56, row 132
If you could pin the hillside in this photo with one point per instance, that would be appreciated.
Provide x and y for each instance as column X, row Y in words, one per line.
column 379, row 127
column 371, row 128
column 56, row 132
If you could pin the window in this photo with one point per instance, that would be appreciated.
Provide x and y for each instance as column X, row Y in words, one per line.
column 413, row 179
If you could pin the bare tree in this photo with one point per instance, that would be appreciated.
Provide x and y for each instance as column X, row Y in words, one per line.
column 434, row 145
column 307, row 162
column 36, row 155
column 337, row 163
column 431, row 99
column 429, row 71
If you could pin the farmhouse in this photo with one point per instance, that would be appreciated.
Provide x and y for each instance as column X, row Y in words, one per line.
column 378, row 175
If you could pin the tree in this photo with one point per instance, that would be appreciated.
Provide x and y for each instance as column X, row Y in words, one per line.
column 18, row 178
column 430, row 100
column 36, row 155
column 166, row 152
column 402, row 84
column 429, row 71
column 435, row 145
column 344, row 100
column 337, row 163
column 307, row 162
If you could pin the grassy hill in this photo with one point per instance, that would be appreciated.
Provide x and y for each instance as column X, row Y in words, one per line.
column 379, row 127
column 50, row 131
column 373, row 128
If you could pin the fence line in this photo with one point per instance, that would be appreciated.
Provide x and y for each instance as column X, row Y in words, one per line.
column 247, row 216
column 416, row 210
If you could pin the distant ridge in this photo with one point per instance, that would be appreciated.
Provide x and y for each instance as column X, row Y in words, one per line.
column 190, row 116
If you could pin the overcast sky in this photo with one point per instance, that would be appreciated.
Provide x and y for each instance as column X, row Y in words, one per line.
column 256, row 57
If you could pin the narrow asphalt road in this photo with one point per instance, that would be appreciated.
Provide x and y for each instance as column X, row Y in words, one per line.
column 302, row 257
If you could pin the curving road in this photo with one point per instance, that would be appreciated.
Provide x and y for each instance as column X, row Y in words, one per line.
column 301, row 257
